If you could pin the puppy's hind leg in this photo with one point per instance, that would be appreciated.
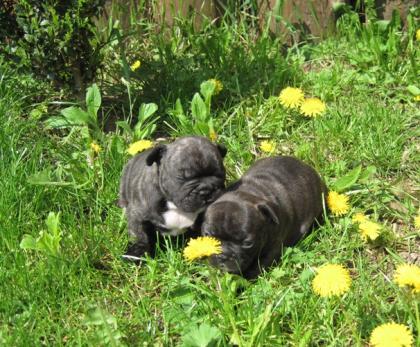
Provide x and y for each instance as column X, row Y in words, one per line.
column 143, row 240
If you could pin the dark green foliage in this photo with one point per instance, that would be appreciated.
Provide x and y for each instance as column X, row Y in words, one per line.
column 9, row 31
column 55, row 39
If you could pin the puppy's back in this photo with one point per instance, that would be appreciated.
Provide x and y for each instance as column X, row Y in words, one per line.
column 291, row 184
column 287, row 172
column 132, row 173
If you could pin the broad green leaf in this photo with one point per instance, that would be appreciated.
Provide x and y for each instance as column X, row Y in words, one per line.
column 202, row 336
column 348, row 180
column 118, row 145
column 52, row 222
column 178, row 108
column 207, row 89
column 39, row 111
column 106, row 327
column 93, row 101
column 367, row 174
column 28, row 242
column 305, row 275
column 146, row 132
column 44, row 178
column 202, row 128
column 383, row 24
column 183, row 296
column 48, row 243
column 146, row 110
column 125, row 126
column 84, row 132
column 198, row 108
column 413, row 90
column 57, row 122
column 75, row 116
column 41, row 177
column 96, row 316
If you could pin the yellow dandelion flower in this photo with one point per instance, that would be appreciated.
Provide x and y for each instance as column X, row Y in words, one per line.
column 417, row 98
column 139, row 146
column 418, row 35
column 135, row 65
column 212, row 135
column 408, row 275
column 369, row 230
column 359, row 218
column 331, row 279
column 391, row 335
column 95, row 147
column 291, row 97
column 417, row 221
column 338, row 203
column 200, row 247
column 267, row 146
column 218, row 86
column 312, row 107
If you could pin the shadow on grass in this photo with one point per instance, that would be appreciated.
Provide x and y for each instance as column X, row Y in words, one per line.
column 178, row 60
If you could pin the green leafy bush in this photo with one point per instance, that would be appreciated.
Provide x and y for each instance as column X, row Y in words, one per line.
column 56, row 39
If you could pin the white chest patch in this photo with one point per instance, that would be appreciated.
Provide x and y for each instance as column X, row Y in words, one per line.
column 176, row 220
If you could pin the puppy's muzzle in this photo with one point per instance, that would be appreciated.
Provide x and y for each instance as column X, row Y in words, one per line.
column 210, row 194
column 210, row 189
column 228, row 263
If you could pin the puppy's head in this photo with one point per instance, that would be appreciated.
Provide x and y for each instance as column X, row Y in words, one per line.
column 191, row 171
column 243, row 228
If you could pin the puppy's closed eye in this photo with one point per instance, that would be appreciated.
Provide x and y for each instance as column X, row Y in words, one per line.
column 189, row 174
column 247, row 243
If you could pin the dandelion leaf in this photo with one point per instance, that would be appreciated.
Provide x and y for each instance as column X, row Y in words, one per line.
column 198, row 108
column 146, row 111
column 93, row 100
column 367, row 174
column 207, row 89
column 28, row 242
column 413, row 90
column 348, row 180
column 75, row 116
column 202, row 336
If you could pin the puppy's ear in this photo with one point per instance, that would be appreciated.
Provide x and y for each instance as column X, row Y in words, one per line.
column 268, row 212
column 155, row 155
column 222, row 149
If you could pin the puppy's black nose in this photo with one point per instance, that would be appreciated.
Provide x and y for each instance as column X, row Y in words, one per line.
column 208, row 195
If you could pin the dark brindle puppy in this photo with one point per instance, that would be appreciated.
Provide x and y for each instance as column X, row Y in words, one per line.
column 273, row 205
column 166, row 187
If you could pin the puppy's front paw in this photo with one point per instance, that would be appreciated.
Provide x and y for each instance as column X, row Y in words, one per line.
column 134, row 253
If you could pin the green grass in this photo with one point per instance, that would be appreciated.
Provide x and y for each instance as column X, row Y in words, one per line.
column 85, row 295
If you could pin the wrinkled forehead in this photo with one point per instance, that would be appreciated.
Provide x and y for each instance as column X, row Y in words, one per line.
column 229, row 218
column 193, row 153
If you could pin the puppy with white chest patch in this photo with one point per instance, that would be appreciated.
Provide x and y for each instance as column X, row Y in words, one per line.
column 273, row 205
column 166, row 187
